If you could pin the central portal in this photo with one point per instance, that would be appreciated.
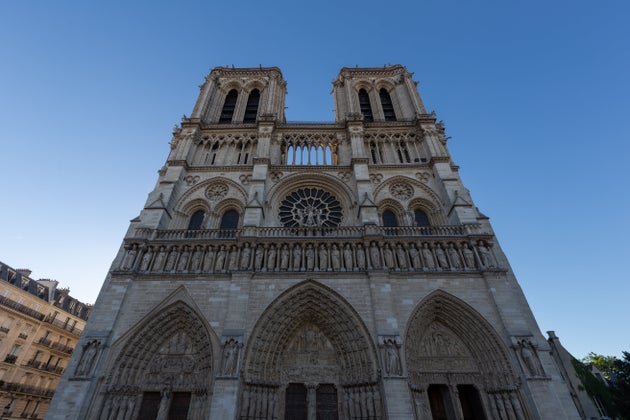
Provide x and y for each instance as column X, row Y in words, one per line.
column 311, row 403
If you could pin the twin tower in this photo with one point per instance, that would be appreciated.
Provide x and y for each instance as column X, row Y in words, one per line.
column 311, row 271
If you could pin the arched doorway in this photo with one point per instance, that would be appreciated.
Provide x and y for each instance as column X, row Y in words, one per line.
column 310, row 357
column 164, row 370
column 458, row 367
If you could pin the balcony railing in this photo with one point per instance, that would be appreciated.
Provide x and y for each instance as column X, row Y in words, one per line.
column 63, row 325
column 45, row 367
column 4, row 329
column 4, row 301
column 10, row 358
column 26, row 389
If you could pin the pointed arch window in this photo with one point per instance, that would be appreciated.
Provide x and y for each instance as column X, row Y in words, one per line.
column 229, row 220
column 196, row 220
column 387, row 105
column 420, row 218
column 364, row 105
column 251, row 110
column 228, row 107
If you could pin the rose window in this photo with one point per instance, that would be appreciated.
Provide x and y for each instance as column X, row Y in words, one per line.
column 310, row 207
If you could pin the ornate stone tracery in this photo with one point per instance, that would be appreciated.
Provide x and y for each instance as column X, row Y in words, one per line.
column 310, row 207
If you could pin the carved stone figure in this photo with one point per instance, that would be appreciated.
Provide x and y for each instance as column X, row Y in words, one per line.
column 469, row 256
column 441, row 257
column 246, row 254
column 310, row 257
column 183, row 260
column 130, row 258
column 146, row 259
column 158, row 263
column 233, row 258
column 375, row 256
column 220, row 259
column 335, row 257
column 360, row 257
column 195, row 263
column 258, row 257
column 297, row 257
column 485, row 256
column 323, row 257
column 414, row 256
column 453, row 255
column 388, row 257
column 401, row 254
column 392, row 357
column 284, row 258
column 208, row 262
column 271, row 258
column 427, row 256
column 230, row 357
column 90, row 350
column 165, row 403
column 530, row 359
column 170, row 261
column 347, row 258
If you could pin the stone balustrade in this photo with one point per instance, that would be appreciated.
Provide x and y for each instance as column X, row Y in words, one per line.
column 345, row 249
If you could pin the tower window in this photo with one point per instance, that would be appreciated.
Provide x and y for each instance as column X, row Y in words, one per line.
column 251, row 110
column 229, row 220
column 196, row 220
column 228, row 107
column 420, row 217
column 364, row 104
column 390, row 220
column 388, row 106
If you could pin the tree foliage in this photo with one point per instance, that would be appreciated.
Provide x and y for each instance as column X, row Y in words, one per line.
column 617, row 372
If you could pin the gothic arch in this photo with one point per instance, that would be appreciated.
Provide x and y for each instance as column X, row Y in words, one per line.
column 349, row 362
column 198, row 192
column 449, row 344
column 329, row 183
column 172, row 349
column 420, row 190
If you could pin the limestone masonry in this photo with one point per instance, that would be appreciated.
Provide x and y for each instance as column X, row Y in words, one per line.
column 311, row 271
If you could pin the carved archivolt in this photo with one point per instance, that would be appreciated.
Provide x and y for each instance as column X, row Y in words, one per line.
column 418, row 188
column 295, row 341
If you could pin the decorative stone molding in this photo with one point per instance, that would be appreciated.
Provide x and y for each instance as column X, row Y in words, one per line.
column 401, row 191
column 216, row 192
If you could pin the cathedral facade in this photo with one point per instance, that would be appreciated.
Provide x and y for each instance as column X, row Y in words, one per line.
column 311, row 271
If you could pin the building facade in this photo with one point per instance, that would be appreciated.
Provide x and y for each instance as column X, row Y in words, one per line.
column 298, row 271
column 40, row 325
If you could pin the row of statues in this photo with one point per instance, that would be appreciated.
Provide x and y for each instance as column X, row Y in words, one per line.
column 271, row 257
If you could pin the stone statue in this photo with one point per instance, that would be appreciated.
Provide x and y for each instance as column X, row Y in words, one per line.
column 528, row 354
column 246, row 254
column 195, row 263
column 414, row 256
column 183, row 260
column 165, row 403
column 453, row 255
column 388, row 256
column 284, row 258
column 310, row 257
column 401, row 254
column 220, row 259
column 323, row 257
column 271, row 258
column 146, row 259
column 208, row 262
column 347, row 258
column 90, row 350
column 233, row 258
column 485, row 255
column 393, row 358
column 335, row 257
column 427, row 255
column 258, row 257
column 469, row 256
column 230, row 357
column 360, row 257
column 130, row 258
column 375, row 256
column 297, row 257
column 158, row 263
column 170, row 261
column 441, row 257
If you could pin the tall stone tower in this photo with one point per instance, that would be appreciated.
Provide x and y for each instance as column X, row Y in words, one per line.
column 311, row 271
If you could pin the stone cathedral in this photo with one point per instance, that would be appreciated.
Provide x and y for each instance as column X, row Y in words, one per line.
column 310, row 271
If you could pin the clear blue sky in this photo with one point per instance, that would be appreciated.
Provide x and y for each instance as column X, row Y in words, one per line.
column 535, row 96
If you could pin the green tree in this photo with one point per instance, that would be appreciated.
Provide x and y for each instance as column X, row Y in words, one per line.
column 617, row 372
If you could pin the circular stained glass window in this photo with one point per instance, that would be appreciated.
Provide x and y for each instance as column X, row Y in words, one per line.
column 310, row 207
